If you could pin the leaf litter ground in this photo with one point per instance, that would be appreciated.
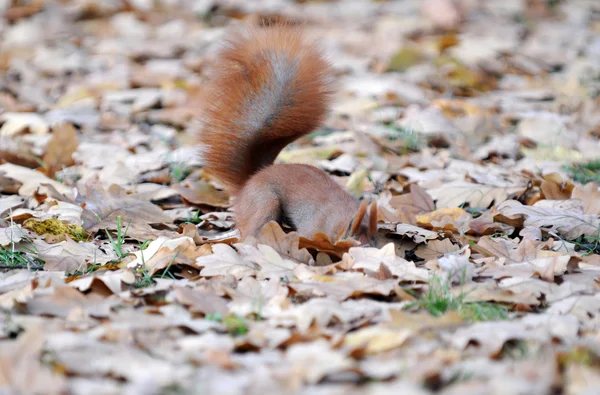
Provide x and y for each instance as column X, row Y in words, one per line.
column 475, row 126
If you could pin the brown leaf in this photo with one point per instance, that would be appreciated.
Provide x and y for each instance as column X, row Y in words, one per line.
column 163, row 252
column 322, row 243
column 286, row 244
column 202, row 192
column 64, row 300
column 60, row 149
column 435, row 249
column 565, row 217
column 409, row 205
column 102, row 207
column 225, row 261
column 590, row 195
column 457, row 193
column 340, row 288
column 22, row 369
column 509, row 249
column 201, row 301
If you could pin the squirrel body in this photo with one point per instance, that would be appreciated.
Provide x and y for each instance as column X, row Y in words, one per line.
column 271, row 88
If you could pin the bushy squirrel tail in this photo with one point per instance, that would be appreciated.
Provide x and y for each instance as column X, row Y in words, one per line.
column 271, row 87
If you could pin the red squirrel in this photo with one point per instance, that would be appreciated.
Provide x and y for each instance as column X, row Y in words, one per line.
column 272, row 87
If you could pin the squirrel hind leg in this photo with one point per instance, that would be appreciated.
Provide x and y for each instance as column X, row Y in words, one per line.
column 254, row 209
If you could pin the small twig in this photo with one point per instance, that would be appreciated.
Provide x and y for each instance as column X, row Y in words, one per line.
column 31, row 267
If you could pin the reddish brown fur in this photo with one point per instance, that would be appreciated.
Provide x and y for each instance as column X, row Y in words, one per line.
column 272, row 87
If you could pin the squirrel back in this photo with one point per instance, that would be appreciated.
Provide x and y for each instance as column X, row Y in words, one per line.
column 271, row 88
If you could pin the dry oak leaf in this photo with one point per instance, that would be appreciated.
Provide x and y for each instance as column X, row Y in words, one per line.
column 102, row 207
column 590, row 195
column 377, row 339
column 201, row 300
column 546, row 268
column 164, row 252
column 509, row 249
column 584, row 307
column 105, row 282
column 321, row 312
column 201, row 192
column 566, row 217
column 271, row 263
column 65, row 300
column 22, row 370
column 60, row 149
column 491, row 336
column 407, row 206
column 418, row 322
column 286, row 244
column 32, row 180
column 457, row 193
column 555, row 188
column 12, row 235
column 264, row 298
column 322, row 243
column 370, row 259
column 312, row 362
column 491, row 292
column 17, row 122
column 416, row 233
column 485, row 225
column 343, row 286
column 454, row 219
column 19, row 285
column 225, row 261
column 435, row 249
column 10, row 203
column 70, row 255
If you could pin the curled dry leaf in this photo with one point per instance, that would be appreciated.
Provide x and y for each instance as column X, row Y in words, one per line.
column 202, row 192
column 32, row 180
column 417, row 234
column 164, row 252
column 454, row 219
column 566, row 217
column 377, row 339
column 105, row 282
column 286, row 244
column 360, row 258
column 322, row 243
column 17, row 122
column 409, row 205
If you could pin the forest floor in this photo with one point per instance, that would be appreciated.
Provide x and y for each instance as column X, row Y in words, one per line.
column 475, row 125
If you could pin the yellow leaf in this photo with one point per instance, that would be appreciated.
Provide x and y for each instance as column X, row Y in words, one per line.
column 356, row 182
column 455, row 213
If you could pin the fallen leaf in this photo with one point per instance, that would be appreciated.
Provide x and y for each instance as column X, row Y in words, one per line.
column 225, row 261
column 60, row 149
column 565, row 217
column 104, row 206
